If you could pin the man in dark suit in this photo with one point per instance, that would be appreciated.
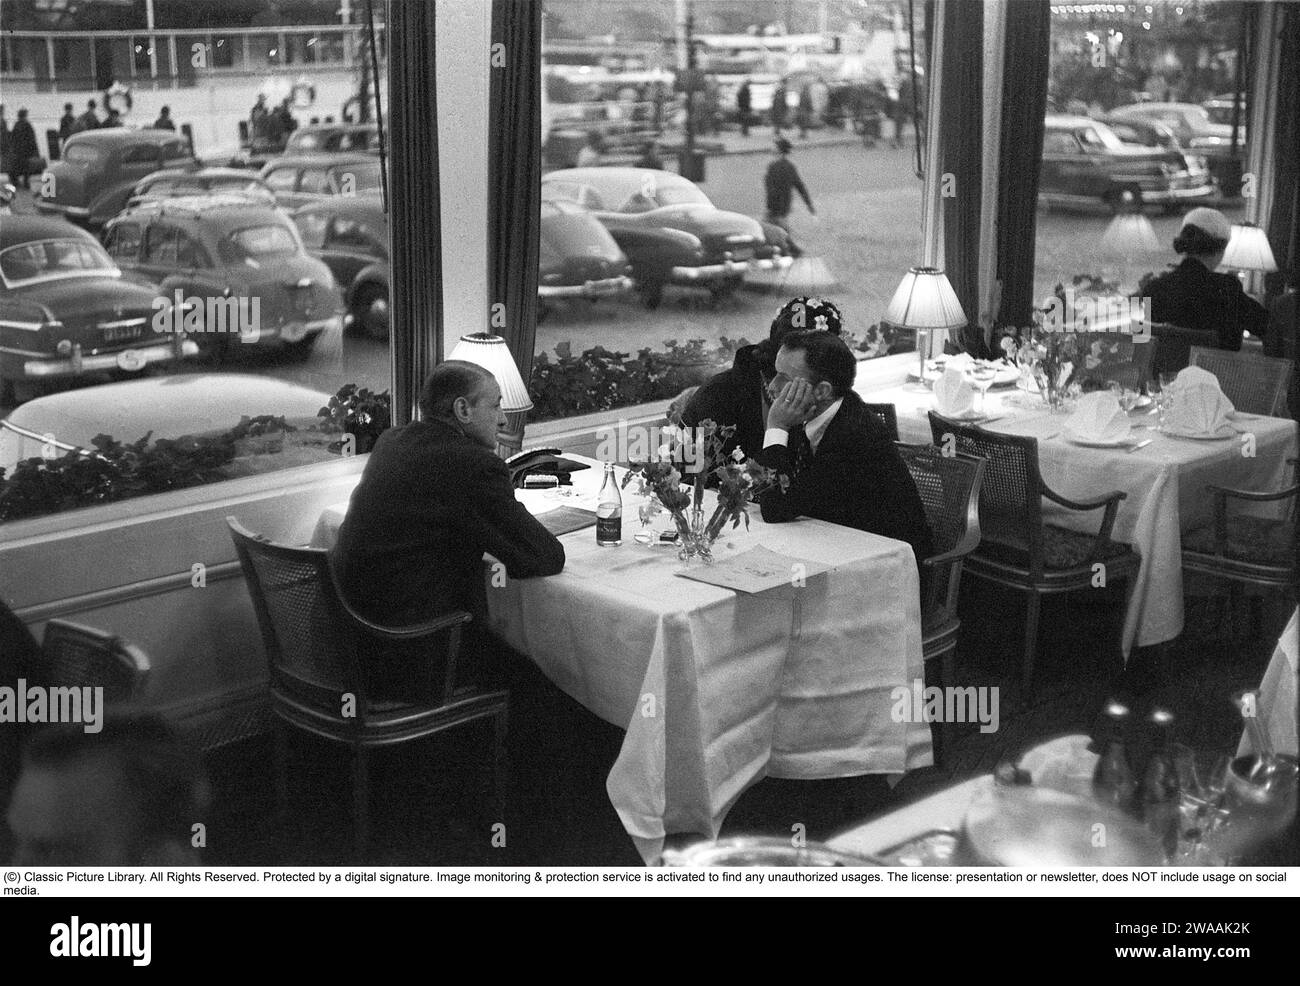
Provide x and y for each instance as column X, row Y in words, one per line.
column 738, row 396
column 842, row 464
column 433, row 498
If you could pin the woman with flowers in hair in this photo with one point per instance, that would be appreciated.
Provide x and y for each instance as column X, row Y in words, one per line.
column 738, row 396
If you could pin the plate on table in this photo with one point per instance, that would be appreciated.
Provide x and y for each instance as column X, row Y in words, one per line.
column 1095, row 442
column 1142, row 403
column 1226, row 431
column 1006, row 375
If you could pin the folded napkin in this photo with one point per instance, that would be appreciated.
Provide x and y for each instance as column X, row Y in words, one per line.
column 957, row 361
column 1098, row 418
column 1198, row 405
column 953, row 394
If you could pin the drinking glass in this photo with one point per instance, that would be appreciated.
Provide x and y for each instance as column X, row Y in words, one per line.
column 1201, row 780
column 647, row 510
column 982, row 376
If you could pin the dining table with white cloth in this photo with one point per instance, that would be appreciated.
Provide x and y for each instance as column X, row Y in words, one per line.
column 1164, row 483
column 718, row 688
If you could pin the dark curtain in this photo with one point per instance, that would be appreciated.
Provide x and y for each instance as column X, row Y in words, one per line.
column 1284, row 219
column 961, row 124
column 415, row 215
column 1024, row 106
column 515, row 175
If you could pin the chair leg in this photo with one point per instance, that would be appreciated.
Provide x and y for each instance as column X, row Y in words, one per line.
column 1031, row 643
column 361, row 800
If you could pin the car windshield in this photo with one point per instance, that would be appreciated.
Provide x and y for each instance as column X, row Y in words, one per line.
column 53, row 259
column 239, row 185
column 680, row 195
column 82, row 155
column 1099, row 135
column 260, row 242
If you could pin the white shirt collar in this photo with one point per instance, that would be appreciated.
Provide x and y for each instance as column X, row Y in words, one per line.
column 816, row 428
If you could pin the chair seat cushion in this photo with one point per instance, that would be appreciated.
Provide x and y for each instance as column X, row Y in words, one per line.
column 1250, row 539
column 1062, row 549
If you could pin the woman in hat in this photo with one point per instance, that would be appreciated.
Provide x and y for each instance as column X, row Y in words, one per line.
column 1193, row 296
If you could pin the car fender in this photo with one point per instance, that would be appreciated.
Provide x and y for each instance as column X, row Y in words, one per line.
column 654, row 252
column 110, row 202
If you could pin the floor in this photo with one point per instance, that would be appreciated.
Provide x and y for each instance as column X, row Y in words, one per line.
column 429, row 798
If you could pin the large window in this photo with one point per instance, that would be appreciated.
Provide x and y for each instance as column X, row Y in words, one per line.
column 707, row 258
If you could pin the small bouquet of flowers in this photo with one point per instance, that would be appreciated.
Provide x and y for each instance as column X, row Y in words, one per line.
column 699, row 453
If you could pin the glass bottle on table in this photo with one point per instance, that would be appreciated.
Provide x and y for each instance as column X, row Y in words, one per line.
column 1112, row 780
column 1161, row 792
column 609, row 511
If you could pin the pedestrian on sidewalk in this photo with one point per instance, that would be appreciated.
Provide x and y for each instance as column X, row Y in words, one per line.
column 88, row 120
column 67, row 123
column 779, row 109
column 781, row 182
column 23, row 149
column 805, row 111
column 164, row 121
column 744, row 104
column 5, row 165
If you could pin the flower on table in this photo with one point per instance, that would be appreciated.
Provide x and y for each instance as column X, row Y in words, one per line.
column 738, row 454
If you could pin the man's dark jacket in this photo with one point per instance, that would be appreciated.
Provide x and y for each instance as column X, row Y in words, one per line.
column 856, row 478
column 1196, row 298
column 781, row 182
column 430, row 503
column 733, row 397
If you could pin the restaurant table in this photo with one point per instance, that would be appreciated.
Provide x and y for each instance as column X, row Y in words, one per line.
column 1164, row 482
column 1277, row 694
column 717, row 688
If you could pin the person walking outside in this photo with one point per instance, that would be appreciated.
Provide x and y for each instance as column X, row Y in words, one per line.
column 67, row 123
column 781, row 182
column 88, row 120
column 744, row 103
column 164, row 121
column 23, row 149
column 779, row 109
column 804, row 114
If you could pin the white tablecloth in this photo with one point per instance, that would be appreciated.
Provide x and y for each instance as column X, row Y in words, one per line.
column 1165, row 483
column 715, row 688
column 1277, row 694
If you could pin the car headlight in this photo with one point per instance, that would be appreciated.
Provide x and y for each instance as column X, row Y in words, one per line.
column 64, row 348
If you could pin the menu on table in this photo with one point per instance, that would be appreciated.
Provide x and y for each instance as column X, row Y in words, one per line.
column 755, row 570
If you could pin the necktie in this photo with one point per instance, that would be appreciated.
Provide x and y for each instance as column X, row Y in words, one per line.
column 800, row 449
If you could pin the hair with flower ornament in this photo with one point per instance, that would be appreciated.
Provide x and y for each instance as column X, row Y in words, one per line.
column 802, row 314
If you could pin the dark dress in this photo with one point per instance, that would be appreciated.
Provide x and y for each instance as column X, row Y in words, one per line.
column 1193, row 297
column 734, row 397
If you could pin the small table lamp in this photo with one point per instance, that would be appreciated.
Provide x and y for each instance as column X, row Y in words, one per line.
column 1128, row 237
column 925, row 302
column 1248, row 251
column 492, row 353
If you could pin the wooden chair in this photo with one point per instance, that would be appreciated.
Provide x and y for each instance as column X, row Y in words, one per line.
column 316, row 646
column 949, row 486
column 1255, row 384
column 887, row 415
column 1244, row 549
column 75, row 656
column 1018, row 550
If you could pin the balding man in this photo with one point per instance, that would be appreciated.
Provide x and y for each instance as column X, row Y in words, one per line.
column 433, row 499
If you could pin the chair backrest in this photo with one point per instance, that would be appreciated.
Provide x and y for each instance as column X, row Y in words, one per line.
column 75, row 656
column 311, row 649
column 949, row 486
column 1254, row 383
column 1011, row 508
column 1173, row 346
column 887, row 415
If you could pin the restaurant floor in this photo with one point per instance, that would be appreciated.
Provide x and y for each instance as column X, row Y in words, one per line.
column 429, row 798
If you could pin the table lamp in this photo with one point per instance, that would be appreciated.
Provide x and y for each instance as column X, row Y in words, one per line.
column 1130, row 234
column 1248, row 252
column 492, row 353
column 925, row 302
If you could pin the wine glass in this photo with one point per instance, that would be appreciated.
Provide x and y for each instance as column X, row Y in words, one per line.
column 982, row 376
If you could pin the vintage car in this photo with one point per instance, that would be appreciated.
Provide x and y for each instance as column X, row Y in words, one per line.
column 176, row 182
column 578, row 258
column 669, row 229
column 1150, row 133
column 99, row 169
column 239, row 267
column 333, row 138
column 1191, row 124
column 1085, row 163
column 298, row 180
column 166, row 406
column 67, row 311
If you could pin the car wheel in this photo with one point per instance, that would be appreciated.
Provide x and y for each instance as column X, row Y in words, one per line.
column 298, row 352
column 652, row 293
column 371, row 313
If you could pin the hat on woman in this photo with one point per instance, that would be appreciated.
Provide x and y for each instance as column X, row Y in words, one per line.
column 1212, row 222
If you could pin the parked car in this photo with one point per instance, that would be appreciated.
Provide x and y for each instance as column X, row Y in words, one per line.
column 1220, row 109
column 177, row 182
column 99, row 169
column 1149, row 133
column 1198, row 133
column 578, row 257
column 169, row 406
column 668, row 228
column 243, row 263
column 1085, row 162
column 67, row 311
column 333, row 138
column 300, row 179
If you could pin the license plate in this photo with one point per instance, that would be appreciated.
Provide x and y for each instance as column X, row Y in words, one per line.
column 130, row 360
column 116, row 333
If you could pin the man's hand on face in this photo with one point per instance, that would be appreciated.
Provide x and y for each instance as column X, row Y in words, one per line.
column 793, row 406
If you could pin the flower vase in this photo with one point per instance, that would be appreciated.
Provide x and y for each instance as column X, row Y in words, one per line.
column 693, row 536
